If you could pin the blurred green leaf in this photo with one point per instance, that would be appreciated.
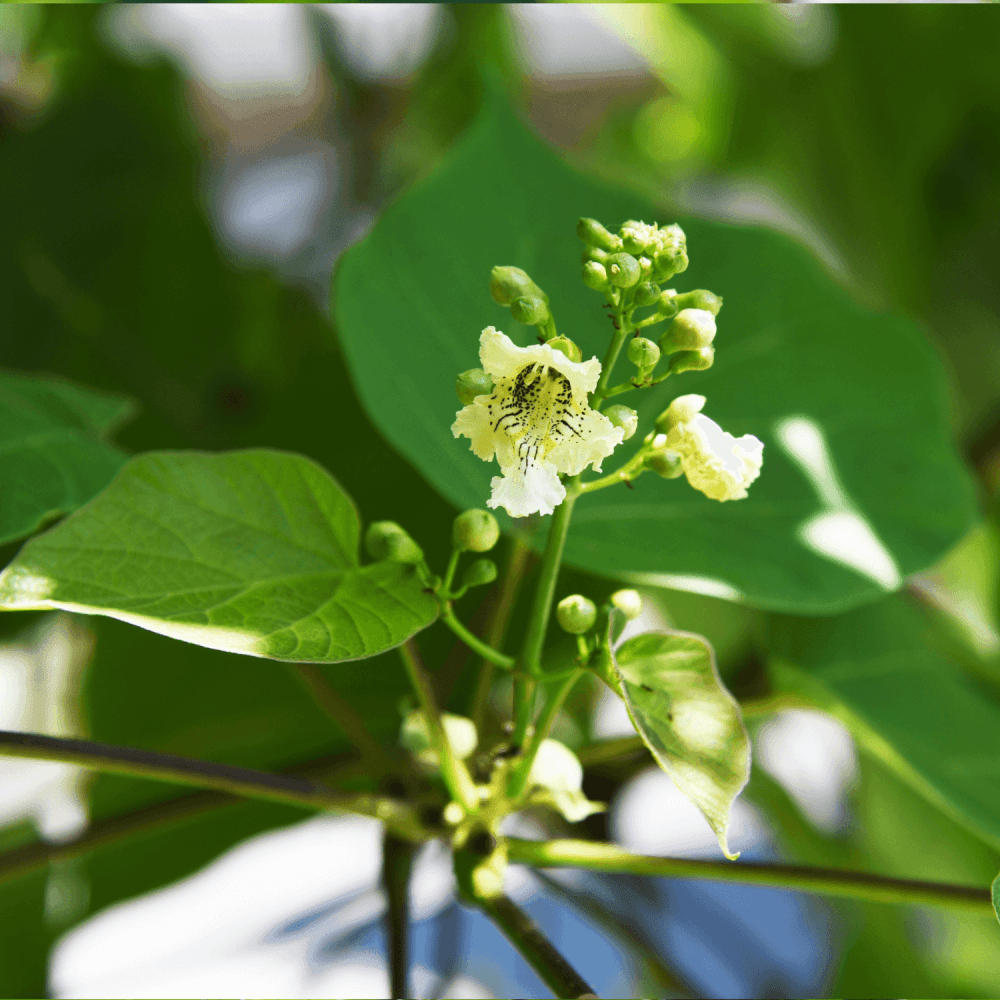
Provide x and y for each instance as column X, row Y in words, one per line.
column 55, row 457
column 874, row 459
column 252, row 552
column 903, row 702
column 690, row 722
column 996, row 896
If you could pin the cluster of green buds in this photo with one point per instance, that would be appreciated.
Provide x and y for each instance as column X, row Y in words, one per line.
column 474, row 531
column 528, row 304
column 578, row 615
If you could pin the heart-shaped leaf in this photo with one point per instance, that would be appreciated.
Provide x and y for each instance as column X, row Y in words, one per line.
column 53, row 456
column 690, row 722
column 252, row 552
column 861, row 484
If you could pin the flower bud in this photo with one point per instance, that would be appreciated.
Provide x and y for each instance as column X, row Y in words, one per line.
column 700, row 298
column 594, row 234
column 481, row 572
column 595, row 276
column 681, row 411
column 475, row 531
column 667, row 305
column 529, row 309
column 576, row 614
column 692, row 361
column 628, row 602
column 386, row 540
column 645, row 268
column 665, row 463
column 643, row 353
column 623, row 270
column 645, row 294
column 508, row 283
column 638, row 237
column 624, row 417
column 564, row 344
column 595, row 254
column 474, row 382
column 691, row 330
column 671, row 258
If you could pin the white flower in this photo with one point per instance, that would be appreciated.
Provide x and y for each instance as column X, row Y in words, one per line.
column 716, row 463
column 557, row 771
column 537, row 423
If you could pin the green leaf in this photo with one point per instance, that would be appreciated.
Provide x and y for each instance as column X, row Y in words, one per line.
column 996, row 896
column 690, row 722
column 903, row 702
column 252, row 552
column 53, row 456
column 861, row 483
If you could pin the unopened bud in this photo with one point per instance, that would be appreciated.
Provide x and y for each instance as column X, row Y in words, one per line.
column 595, row 254
column 665, row 463
column 692, row 361
column 643, row 353
column 628, row 602
column 595, row 275
column 576, row 614
column 508, row 283
column 386, row 540
column 672, row 257
column 667, row 305
column 645, row 294
column 691, row 330
column 594, row 234
column 564, row 344
column 530, row 310
column 480, row 573
column 638, row 237
column 681, row 411
column 623, row 270
column 474, row 382
column 475, row 531
column 700, row 298
column 624, row 417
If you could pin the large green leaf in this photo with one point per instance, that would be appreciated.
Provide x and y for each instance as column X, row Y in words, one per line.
column 861, row 484
column 252, row 552
column 903, row 702
column 53, row 456
column 690, row 722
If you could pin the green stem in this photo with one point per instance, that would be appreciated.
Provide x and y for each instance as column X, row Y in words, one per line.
column 535, row 947
column 449, row 573
column 632, row 469
column 519, row 775
column 825, row 881
column 622, row 330
column 474, row 643
column 397, row 866
column 207, row 774
column 454, row 773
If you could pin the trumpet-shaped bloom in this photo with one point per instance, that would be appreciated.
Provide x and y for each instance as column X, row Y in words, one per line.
column 716, row 463
column 537, row 423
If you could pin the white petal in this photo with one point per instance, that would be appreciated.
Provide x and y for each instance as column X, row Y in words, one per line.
column 527, row 491
column 596, row 439
column 715, row 462
column 502, row 358
column 474, row 422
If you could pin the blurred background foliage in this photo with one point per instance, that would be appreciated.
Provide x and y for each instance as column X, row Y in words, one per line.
column 870, row 133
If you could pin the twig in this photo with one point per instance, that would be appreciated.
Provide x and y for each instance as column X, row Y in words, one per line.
column 397, row 866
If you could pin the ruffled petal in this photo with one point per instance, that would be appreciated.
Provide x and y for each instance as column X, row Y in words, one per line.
column 475, row 423
column 715, row 462
column 590, row 442
column 502, row 358
column 532, row 488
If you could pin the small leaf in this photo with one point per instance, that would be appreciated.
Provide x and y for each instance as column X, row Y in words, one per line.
column 253, row 552
column 53, row 457
column 687, row 718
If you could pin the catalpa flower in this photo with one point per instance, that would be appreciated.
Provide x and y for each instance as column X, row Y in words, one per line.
column 537, row 423
column 716, row 463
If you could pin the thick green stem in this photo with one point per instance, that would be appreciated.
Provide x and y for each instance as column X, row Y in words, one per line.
column 603, row 857
column 531, row 654
column 206, row 774
column 535, row 947
column 454, row 773
column 474, row 643
column 397, row 866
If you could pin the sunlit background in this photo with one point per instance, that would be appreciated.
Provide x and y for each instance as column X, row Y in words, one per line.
column 871, row 135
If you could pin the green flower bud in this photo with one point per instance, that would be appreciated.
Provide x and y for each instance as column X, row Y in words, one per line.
column 691, row 330
column 667, row 305
column 623, row 270
column 643, row 353
column 624, row 417
column 564, row 344
column 386, row 540
column 595, row 235
column 645, row 294
column 481, row 572
column 576, row 614
column 671, row 257
column 595, row 254
column 595, row 275
column 665, row 462
column 475, row 531
column 638, row 237
column 628, row 602
column 692, row 361
column 508, row 283
column 530, row 310
column 474, row 382
column 700, row 298
column 681, row 411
